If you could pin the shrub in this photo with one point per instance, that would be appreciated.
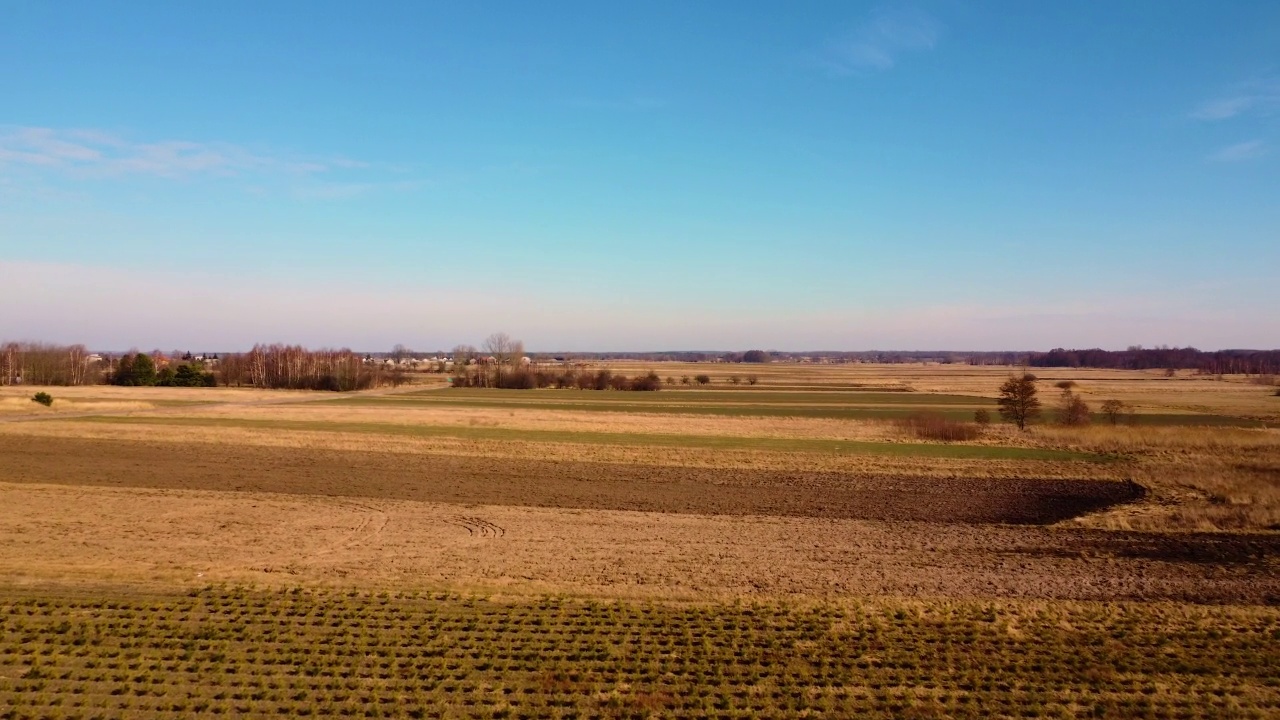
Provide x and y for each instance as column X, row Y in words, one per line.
column 752, row 380
column 647, row 382
column 603, row 379
column 1073, row 410
column 982, row 417
column 935, row 426
column 702, row 379
column 736, row 380
column 1113, row 409
column 43, row 398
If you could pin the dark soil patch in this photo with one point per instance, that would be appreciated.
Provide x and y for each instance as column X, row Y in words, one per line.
column 550, row 483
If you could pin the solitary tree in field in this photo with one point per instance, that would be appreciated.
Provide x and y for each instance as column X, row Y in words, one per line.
column 1018, row 402
column 1073, row 410
column 702, row 379
column 1113, row 409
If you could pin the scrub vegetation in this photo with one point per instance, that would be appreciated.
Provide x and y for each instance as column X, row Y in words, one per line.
column 300, row 653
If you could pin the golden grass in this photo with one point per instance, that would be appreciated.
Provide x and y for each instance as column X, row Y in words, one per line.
column 1200, row 478
column 24, row 406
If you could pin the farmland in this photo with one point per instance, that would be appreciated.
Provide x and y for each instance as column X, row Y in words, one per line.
column 780, row 549
column 345, row 654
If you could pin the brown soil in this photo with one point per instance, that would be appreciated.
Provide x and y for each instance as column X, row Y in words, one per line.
column 126, row 511
column 553, row 483
column 60, row 535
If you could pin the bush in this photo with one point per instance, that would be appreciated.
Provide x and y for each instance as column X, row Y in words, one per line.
column 43, row 398
column 647, row 382
column 1113, row 409
column 752, row 380
column 702, row 379
column 935, row 426
column 982, row 417
column 1073, row 410
column 736, row 380
column 603, row 379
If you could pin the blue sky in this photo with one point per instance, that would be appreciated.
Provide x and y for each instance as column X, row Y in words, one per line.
column 968, row 175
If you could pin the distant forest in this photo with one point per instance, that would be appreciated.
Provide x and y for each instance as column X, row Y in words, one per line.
column 1218, row 362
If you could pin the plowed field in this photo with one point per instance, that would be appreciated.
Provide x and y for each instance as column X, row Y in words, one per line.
column 548, row 483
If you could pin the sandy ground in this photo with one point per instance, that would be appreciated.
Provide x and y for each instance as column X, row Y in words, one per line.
column 53, row 534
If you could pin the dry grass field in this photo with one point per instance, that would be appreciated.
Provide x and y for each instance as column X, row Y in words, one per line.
column 784, row 549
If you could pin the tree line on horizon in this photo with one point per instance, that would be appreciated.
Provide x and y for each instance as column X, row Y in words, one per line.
column 502, row 364
column 1217, row 362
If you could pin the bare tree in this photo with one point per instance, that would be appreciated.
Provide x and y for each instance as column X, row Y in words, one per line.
column 505, row 350
column 1113, row 409
column 1073, row 410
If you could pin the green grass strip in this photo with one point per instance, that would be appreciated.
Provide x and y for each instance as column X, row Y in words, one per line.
column 851, row 411
column 714, row 442
column 704, row 397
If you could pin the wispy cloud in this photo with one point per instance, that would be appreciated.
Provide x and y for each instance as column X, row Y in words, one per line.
column 98, row 153
column 878, row 43
column 1253, row 96
column 1240, row 152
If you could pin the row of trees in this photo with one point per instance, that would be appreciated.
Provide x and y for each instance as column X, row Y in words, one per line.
column 139, row 370
column 1019, row 403
column 526, row 378
column 46, row 364
column 293, row 367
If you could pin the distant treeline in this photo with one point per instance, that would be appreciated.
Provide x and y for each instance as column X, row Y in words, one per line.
column 47, row 364
column 293, row 367
column 495, row 375
column 1218, row 362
